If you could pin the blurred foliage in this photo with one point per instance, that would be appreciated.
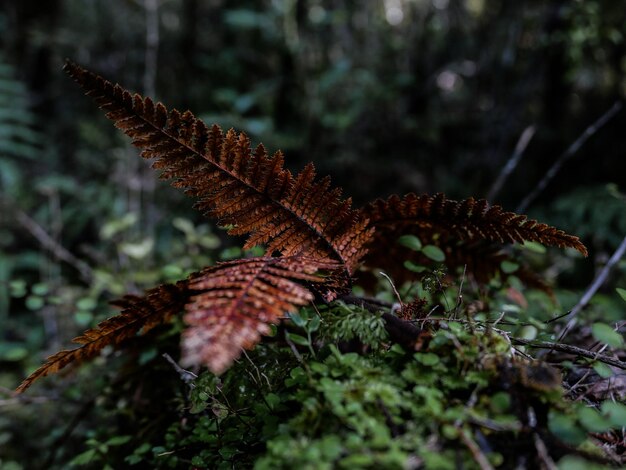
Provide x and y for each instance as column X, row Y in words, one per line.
column 387, row 96
column 595, row 213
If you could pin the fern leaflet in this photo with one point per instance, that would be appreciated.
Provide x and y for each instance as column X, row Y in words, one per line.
column 138, row 313
column 234, row 303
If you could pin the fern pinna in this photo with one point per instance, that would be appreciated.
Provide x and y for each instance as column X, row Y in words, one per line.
column 315, row 240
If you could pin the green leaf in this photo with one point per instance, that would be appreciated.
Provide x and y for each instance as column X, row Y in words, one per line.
column 12, row 352
column 603, row 370
column 34, row 302
column 428, row 359
column 434, row 252
column 534, row 246
column 607, row 335
column 184, row 225
column 84, row 458
column 272, row 400
column 18, row 288
column 113, row 227
column 411, row 266
column 86, row 303
column 622, row 293
column 593, row 421
column 314, row 324
column 297, row 319
column 410, row 241
column 615, row 412
column 83, row 318
column 508, row 267
column 40, row 288
column 500, row 402
column 301, row 340
column 572, row 462
column 172, row 271
column 118, row 440
column 565, row 428
column 138, row 250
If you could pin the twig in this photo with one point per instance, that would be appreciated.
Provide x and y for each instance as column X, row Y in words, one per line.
column 258, row 372
column 542, row 453
column 487, row 423
column 59, row 251
column 395, row 291
column 479, row 456
column 593, row 288
column 567, row 348
column 58, row 443
column 23, row 400
column 294, row 350
column 459, row 297
column 185, row 375
column 512, row 163
column 571, row 150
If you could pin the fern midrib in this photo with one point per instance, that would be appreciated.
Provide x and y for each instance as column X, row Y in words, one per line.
column 278, row 203
column 67, row 352
column 141, row 319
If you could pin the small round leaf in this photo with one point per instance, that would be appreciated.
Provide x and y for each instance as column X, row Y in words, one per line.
column 434, row 252
column 410, row 241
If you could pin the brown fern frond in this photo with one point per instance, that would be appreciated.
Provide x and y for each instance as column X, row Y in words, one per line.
column 235, row 302
column 138, row 314
column 242, row 188
column 467, row 220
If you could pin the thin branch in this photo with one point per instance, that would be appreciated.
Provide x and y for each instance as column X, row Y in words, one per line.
column 185, row 375
column 593, row 288
column 82, row 413
column 569, row 153
column 58, row 250
column 480, row 458
column 569, row 349
column 512, row 163
column 395, row 291
column 540, row 446
column 295, row 351
column 487, row 423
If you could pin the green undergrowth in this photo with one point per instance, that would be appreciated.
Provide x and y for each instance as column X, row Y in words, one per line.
column 348, row 398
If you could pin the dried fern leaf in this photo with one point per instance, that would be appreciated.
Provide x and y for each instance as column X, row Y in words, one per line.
column 241, row 187
column 235, row 302
column 138, row 313
column 467, row 220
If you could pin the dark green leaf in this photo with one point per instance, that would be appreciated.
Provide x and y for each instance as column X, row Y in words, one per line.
column 607, row 335
column 615, row 412
column 434, row 252
column 565, row 428
column 509, row 267
column 410, row 241
column 301, row 340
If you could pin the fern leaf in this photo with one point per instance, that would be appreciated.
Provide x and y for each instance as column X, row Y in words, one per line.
column 235, row 302
column 466, row 220
column 138, row 313
column 242, row 188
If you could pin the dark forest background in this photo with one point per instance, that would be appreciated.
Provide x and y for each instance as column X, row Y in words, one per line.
column 386, row 96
